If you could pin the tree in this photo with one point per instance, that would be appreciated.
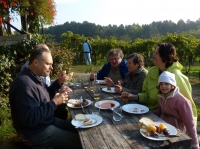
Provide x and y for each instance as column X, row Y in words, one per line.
column 34, row 13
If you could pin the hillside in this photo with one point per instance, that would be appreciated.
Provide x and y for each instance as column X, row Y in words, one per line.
column 128, row 32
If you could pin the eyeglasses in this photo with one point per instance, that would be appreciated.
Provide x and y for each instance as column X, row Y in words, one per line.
column 114, row 59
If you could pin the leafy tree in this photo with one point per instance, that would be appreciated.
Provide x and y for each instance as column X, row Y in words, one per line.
column 34, row 12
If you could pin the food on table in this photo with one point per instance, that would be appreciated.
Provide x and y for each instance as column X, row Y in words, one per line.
column 87, row 122
column 109, row 88
column 150, row 129
column 82, row 117
column 162, row 126
column 101, row 82
column 77, row 103
column 145, row 121
column 107, row 105
column 136, row 110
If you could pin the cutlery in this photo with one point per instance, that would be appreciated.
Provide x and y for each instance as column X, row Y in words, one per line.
column 166, row 136
column 171, row 136
column 93, row 122
column 81, row 99
column 79, row 125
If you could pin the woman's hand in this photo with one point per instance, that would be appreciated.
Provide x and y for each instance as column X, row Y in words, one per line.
column 108, row 81
column 130, row 96
column 118, row 88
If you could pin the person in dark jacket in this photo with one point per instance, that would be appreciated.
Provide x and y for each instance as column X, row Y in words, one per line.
column 87, row 50
column 134, row 78
column 33, row 105
column 115, row 69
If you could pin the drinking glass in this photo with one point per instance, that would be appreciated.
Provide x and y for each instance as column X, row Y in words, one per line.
column 85, row 81
column 117, row 113
column 97, row 92
column 124, row 96
column 95, row 110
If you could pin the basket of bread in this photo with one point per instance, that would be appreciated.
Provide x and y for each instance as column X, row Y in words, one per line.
column 150, row 128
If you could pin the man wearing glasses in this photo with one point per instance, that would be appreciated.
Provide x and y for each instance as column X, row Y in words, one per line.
column 115, row 69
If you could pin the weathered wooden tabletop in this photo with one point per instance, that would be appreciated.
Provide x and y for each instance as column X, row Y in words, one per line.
column 123, row 134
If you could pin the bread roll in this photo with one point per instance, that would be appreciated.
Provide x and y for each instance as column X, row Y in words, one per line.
column 80, row 117
column 145, row 121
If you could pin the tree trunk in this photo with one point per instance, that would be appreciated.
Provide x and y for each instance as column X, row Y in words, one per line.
column 24, row 23
column 1, row 30
column 8, row 27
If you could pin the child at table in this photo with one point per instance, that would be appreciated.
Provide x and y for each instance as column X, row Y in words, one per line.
column 174, row 108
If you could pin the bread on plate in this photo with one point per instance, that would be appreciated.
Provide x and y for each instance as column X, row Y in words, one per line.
column 87, row 122
column 145, row 121
column 74, row 102
column 80, row 117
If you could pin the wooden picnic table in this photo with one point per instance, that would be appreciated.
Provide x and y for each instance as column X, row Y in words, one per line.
column 122, row 134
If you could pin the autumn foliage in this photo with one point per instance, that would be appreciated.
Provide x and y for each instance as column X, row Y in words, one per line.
column 37, row 12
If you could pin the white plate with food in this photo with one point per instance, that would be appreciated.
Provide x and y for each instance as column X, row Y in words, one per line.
column 109, row 90
column 106, row 104
column 161, row 137
column 135, row 108
column 86, row 121
column 100, row 82
column 69, row 84
column 75, row 103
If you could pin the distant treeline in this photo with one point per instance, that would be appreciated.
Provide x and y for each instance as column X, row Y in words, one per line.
column 127, row 33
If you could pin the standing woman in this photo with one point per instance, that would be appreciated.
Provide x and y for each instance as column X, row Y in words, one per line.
column 165, row 59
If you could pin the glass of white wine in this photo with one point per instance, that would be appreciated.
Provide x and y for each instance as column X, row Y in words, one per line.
column 97, row 92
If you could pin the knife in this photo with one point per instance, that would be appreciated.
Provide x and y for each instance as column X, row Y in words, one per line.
column 79, row 126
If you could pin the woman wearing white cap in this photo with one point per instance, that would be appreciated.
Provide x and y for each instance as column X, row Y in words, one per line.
column 174, row 108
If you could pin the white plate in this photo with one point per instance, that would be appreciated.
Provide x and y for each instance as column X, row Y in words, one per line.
column 96, row 120
column 105, row 89
column 69, row 84
column 101, row 82
column 72, row 106
column 97, row 104
column 135, row 108
column 172, row 131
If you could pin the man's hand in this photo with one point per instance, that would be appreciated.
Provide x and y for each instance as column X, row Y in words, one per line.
column 65, row 88
column 62, row 77
column 108, row 81
column 60, row 98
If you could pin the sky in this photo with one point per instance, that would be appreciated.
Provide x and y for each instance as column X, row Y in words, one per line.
column 126, row 12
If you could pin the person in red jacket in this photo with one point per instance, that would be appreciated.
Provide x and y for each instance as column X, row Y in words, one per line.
column 174, row 108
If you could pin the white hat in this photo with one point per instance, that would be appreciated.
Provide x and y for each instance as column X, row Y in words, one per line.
column 167, row 77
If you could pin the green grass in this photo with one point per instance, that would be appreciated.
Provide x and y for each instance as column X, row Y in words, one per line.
column 83, row 68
